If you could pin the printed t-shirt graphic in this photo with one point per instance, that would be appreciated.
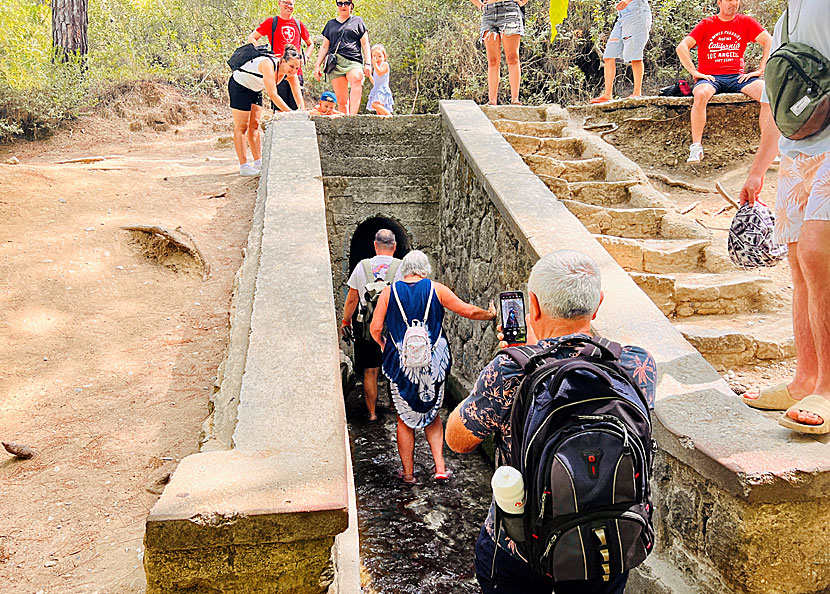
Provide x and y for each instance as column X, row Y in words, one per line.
column 721, row 44
column 287, row 32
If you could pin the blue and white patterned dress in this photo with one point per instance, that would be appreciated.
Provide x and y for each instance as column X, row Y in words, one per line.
column 381, row 92
column 416, row 394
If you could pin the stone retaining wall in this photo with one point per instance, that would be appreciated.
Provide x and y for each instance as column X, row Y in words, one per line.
column 733, row 490
column 264, row 515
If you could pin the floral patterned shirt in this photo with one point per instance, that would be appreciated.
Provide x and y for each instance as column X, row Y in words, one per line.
column 486, row 411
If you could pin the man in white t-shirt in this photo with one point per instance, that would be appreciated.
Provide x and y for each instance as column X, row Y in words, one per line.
column 802, row 221
column 367, row 353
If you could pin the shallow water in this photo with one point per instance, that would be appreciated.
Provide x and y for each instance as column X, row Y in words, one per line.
column 414, row 538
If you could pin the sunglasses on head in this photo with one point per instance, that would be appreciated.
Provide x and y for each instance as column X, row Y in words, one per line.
column 347, row 3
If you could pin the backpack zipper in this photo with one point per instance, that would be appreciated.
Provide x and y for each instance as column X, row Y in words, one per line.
column 627, row 515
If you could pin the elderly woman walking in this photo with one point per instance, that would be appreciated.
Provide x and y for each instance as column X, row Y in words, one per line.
column 418, row 392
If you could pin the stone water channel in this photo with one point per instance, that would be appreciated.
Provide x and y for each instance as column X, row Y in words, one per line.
column 265, row 505
column 414, row 539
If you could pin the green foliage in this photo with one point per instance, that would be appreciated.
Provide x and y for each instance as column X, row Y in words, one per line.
column 434, row 50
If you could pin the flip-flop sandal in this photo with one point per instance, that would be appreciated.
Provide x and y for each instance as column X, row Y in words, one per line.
column 597, row 100
column 773, row 398
column 407, row 479
column 818, row 405
column 443, row 477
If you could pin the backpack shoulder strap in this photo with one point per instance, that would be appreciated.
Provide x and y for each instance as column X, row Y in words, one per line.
column 521, row 355
column 429, row 302
column 400, row 307
column 274, row 29
column 392, row 270
column 367, row 269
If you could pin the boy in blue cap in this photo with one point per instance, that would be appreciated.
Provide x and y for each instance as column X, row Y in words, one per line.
column 327, row 105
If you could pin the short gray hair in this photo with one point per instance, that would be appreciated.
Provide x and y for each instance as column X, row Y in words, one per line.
column 567, row 285
column 416, row 262
column 385, row 238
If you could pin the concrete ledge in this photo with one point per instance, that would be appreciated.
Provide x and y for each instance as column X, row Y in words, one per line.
column 741, row 455
column 264, row 516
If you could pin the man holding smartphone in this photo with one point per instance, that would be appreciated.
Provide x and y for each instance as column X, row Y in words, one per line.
column 564, row 295
column 367, row 353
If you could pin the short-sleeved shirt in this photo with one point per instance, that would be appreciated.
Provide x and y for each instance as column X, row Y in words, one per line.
column 287, row 32
column 808, row 24
column 721, row 44
column 353, row 29
column 486, row 411
column 379, row 266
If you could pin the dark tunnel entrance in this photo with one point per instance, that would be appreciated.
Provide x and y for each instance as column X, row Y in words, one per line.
column 362, row 245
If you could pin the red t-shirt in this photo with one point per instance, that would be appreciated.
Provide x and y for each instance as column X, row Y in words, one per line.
column 721, row 44
column 287, row 32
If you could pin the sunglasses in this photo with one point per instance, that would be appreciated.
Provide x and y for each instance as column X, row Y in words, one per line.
column 347, row 3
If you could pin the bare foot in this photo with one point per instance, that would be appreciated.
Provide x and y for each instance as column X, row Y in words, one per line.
column 805, row 417
column 601, row 99
column 797, row 392
column 373, row 417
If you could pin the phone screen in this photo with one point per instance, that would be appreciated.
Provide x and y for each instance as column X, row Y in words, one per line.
column 512, row 305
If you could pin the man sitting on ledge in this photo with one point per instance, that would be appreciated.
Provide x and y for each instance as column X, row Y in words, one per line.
column 564, row 292
column 721, row 41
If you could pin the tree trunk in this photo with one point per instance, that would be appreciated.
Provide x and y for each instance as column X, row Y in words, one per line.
column 69, row 26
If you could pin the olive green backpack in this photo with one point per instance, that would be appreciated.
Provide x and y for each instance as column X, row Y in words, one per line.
column 798, row 87
column 374, row 287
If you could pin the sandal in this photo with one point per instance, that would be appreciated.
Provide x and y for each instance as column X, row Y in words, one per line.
column 407, row 479
column 772, row 398
column 443, row 477
column 818, row 405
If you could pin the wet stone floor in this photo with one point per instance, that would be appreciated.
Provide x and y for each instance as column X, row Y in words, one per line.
column 413, row 538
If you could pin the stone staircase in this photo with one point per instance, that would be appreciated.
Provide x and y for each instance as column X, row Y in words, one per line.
column 733, row 317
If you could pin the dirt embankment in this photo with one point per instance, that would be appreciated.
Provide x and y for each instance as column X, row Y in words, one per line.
column 109, row 357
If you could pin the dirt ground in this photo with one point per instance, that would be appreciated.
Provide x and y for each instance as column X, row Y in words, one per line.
column 109, row 358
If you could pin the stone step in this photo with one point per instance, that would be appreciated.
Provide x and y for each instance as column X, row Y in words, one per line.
column 686, row 294
column 656, row 255
column 730, row 341
column 545, row 165
column 562, row 148
column 602, row 193
column 540, row 129
column 584, row 169
column 519, row 113
column 621, row 222
column 560, row 188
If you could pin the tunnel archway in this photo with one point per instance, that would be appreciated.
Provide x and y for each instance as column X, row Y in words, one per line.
column 362, row 243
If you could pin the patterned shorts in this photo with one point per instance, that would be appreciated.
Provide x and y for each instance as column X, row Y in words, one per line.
column 803, row 194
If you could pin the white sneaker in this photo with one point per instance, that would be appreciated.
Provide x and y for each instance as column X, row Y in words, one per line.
column 695, row 153
column 247, row 170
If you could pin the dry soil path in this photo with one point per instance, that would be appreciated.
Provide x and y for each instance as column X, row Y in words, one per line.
column 108, row 358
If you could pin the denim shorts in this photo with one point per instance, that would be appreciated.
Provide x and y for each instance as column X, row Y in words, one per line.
column 727, row 83
column 629, row 36
column 502, row 18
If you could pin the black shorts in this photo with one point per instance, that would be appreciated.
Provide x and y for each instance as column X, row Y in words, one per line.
column 284, row 91
column 367, row 353
column 242, row 97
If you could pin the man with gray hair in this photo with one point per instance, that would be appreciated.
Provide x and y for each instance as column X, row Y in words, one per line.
column 366, row 282
column 564, row 296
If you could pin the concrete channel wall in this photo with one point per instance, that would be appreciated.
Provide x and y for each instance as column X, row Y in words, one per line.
column 736, row 495
column 263, row 516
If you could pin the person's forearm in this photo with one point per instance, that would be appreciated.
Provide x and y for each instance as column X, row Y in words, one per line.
column 768, row 148
column 685, row 55
column 254, row 37
column 376, row 330
column 294, row 83
column 763, row 65
column 352, row 299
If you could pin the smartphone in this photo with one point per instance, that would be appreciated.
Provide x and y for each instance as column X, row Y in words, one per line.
column 513, row 325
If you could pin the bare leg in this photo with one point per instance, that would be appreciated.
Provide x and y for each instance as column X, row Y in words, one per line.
column 813, row 255
column 240, row 130
column 637, row 70
column 406, row 447
column 702, row 93
column 492, row 43
column 435, row 437
column 341, row 90
column 355, row 78
column 370, row 390
column 380, row 109
column 514, row 67
column 254, row 137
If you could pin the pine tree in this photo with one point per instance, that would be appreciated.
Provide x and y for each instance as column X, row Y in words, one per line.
column 69, row 27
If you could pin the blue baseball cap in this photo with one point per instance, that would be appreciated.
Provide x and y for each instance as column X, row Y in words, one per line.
column 328, row 96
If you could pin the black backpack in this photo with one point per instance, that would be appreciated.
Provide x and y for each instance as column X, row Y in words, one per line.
column 581, row 437
column 245, row 53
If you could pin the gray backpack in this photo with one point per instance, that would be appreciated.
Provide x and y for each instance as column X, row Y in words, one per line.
column 371, row 292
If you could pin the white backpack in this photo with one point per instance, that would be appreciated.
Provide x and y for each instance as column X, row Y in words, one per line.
column 415, row 350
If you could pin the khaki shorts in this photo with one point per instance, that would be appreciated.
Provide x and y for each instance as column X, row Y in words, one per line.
column 803, row 194
column 344, row 65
